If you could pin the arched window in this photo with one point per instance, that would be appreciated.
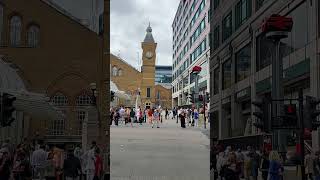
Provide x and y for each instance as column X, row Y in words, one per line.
column 1, row 23
column 114, row 71
column 120, row 72
column 59, row 100
column 33, row 36
column 15, row 31
column 83, row 100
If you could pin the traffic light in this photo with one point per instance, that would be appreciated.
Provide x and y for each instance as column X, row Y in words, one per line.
column 7, row 109
column 112, row 96
column 191, row 97
column 262, row 114
column 200, row 97
column 290, row 118
column 311, row 113
column 207, row 97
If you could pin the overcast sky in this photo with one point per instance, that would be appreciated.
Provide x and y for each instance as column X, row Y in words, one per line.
column 129, row 21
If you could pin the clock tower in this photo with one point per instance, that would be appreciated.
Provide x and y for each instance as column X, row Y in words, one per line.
column 148, row 69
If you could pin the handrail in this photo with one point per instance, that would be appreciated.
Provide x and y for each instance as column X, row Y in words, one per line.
column 308, row 146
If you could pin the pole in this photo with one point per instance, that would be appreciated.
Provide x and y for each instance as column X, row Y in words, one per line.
column 301, row 133
column 204, row 111
column 196, row 89
column 279, row 141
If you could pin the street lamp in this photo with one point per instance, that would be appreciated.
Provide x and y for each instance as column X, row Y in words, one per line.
column 93, row 87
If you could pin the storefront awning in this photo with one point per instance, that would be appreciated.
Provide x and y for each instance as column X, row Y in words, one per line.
column 35, row 104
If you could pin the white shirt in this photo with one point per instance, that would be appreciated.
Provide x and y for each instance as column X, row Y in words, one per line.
column 89, row 159
column 39, row 158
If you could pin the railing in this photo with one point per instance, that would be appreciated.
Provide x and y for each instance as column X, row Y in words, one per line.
column 308, row 146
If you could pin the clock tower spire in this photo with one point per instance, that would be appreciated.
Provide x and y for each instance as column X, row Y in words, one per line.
column 148, row 68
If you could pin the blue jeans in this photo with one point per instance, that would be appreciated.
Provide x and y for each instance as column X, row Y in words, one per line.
column 317, row 177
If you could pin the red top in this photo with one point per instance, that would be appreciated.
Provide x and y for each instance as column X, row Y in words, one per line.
column 98, row 165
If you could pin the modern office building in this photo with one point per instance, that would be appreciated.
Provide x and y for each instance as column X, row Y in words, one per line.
column 191, row 29
column 163, row 75
column 240, row 62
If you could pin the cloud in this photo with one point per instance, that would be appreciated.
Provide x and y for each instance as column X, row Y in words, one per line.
column 129, row 20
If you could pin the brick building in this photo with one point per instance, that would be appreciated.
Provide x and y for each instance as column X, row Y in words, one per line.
column 43, row 43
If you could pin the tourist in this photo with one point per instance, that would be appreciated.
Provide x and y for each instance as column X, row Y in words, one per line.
column 38, row 161
column 89, row 158
column 196, row 117
column 5, row 164
column 98, row 165
column 50, row 169
column 71, row 167
column 265, row 165
column 22, row 169
column 183, row 118
column 156, row 118
column 275, row 167
column 132, row 115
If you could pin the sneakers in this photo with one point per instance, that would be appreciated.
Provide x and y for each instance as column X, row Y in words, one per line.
column 158, row 127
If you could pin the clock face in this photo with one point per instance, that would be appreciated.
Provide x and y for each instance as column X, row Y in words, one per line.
column 149, row 54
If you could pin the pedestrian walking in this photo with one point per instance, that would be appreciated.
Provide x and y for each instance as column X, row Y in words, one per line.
column 71, row 167
column 132, row 115
column 150, row 113
column 232, row 170
column 22, row 169
column 275, row 167
column 264, row 165
column 316, row 166
column 196, row 117
column 167, row 113
column 5, row 164
column 183, row 119
column 50, row 169
column 98, row 165
column 89, row 158
column 309, row 166
column 38, row 161
column 155, row 118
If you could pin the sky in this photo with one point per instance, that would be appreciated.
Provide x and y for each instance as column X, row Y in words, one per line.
column 129, row 21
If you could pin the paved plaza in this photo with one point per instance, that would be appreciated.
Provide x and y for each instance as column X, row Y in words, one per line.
column 170, row 152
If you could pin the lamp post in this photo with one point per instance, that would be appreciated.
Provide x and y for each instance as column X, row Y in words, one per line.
column 93, row 87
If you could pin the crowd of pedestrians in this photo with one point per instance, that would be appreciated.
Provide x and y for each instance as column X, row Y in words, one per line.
column 28, row 161
column 125, row 116
column 189, row 116
column 248, row 164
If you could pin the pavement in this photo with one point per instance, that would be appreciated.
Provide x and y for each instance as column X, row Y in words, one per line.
column 170, row 152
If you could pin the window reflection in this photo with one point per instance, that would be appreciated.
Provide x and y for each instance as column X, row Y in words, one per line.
column 226, row 71
column 243, row 58
column 299, row 35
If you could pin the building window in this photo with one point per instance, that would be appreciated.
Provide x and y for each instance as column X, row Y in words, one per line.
column 81, row 115
column 216, row 37
column 243, row 58
column 226, row 71
column 1, row 24
column 58, row 126
column 158, row 95
column 114, row 71
column 227, row 27
column 33, row 36
column 216, row 81
column 148, row 92
column 83, row 100
column 15, row 31
column 260, row 3
column 59, row 100
column 215, row 4
column 265, row 49
column 120, row 73
column 299, row 35
column 243, row 12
